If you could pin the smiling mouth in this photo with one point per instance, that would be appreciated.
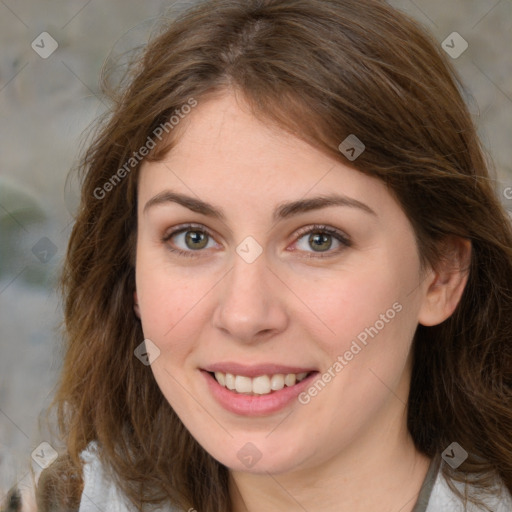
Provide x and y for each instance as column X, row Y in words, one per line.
column 260, row 385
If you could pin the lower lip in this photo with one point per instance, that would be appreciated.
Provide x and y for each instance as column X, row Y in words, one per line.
column 254, row 405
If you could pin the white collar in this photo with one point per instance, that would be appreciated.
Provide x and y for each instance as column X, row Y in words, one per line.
column 101, row 494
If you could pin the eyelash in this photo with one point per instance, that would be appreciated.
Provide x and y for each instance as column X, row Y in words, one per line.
column 317, row 228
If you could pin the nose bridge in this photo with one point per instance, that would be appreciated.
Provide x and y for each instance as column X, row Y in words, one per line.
column 249, row 303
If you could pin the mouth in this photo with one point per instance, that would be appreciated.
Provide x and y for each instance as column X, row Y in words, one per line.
column 260, row 385
column 256, row 391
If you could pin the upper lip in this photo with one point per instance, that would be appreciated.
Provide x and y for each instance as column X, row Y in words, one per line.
column 255, row 370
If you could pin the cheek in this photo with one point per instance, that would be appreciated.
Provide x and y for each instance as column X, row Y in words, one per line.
column 344, row 305
column 367, row 354
column 170, row 305
column 168, row 299
column 368, row 318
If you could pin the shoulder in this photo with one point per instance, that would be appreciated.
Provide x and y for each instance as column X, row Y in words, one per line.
column 443, row 497
column 100, row 491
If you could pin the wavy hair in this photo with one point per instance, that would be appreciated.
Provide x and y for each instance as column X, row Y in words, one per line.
column 321, row 70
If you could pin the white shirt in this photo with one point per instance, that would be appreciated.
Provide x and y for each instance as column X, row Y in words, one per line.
column 101, row 494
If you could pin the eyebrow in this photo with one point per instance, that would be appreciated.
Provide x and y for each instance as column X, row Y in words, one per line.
column 282, row 211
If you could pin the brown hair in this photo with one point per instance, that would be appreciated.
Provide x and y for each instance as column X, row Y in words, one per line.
column 320, row 69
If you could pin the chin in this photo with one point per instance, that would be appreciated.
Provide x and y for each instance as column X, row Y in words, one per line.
column 257, row 455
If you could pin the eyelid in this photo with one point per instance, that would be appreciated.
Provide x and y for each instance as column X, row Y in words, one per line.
column 344, row 239
column 175, row 230
column 339, row 235
column 323, row 228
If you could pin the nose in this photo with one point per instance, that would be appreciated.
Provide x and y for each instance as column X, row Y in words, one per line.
column 251, row 306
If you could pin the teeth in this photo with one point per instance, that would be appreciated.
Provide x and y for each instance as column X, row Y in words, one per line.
column 243, row 384
column 221, row 378
column 289, row 380
column 261, row 385
column 230, row 381
column 277, row 382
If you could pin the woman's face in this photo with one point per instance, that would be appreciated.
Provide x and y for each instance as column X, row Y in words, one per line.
column 247, row 291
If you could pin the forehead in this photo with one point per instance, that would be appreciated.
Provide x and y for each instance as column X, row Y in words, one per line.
column 227, row 154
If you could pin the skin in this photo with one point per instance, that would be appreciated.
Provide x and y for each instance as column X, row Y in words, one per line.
column 288, row 308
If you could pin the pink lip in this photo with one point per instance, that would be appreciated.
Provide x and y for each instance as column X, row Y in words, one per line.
column 253, row 405
column 255, row 370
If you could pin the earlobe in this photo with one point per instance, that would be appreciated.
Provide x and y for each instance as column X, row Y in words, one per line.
column 136, row 305
column 445, row 290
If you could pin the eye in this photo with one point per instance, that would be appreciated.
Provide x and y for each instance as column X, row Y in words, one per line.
column 193, row 237
column 321, row 238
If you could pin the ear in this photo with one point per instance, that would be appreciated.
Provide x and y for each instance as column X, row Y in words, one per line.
column 136, row 305
column 445, row 285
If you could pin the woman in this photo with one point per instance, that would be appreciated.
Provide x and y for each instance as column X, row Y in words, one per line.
column 288, row 285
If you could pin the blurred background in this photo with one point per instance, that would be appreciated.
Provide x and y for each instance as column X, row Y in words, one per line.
column 51, row 55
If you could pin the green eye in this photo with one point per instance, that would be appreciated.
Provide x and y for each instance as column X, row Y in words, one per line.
column 321, row 239
column 194, row 238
